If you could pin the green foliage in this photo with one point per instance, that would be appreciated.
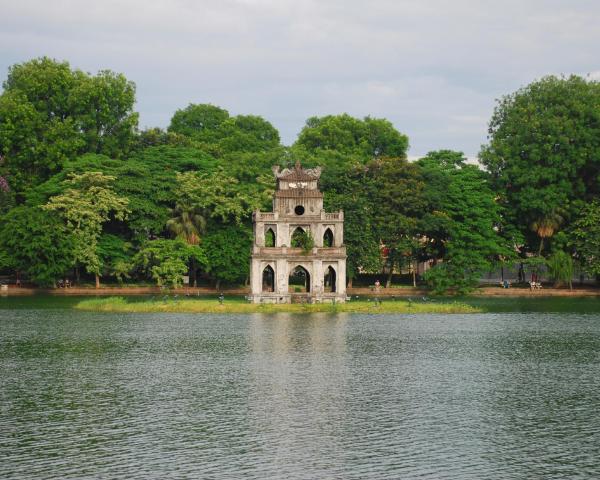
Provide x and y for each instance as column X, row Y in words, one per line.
column 85, row 205
column 585, row 238
column 187, row 223
column 212, row 127
column 560, row 266
column 50, row 113
column 166, row 261
column 219, row 195
column 37, row 244
column 228, row 251
column 148, row 180
column 349, row 191
column 302, row 239
column 115, row 256
column 461, row 226
column 368, row 138
column 543, row 150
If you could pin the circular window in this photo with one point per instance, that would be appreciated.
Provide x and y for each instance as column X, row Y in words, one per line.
column 299, row 210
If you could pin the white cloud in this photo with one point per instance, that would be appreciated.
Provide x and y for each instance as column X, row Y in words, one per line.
column 432, row 67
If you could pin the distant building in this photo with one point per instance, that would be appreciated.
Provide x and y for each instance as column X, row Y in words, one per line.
column 298, row 253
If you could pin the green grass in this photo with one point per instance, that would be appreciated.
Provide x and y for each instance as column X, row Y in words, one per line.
column 123, row 305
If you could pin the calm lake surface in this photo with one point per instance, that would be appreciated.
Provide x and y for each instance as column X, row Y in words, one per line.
column 510, row 394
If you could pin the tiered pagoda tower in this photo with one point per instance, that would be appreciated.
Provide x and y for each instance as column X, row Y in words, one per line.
column 298, row 253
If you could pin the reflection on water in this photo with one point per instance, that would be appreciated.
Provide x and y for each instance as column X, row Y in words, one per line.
column 299, row 396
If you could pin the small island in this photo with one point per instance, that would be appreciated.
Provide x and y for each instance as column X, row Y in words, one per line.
column 203, row 305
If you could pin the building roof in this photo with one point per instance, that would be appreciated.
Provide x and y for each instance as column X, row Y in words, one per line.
column 297, row 174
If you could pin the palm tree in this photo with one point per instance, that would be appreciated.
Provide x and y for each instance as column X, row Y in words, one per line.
column 546, row 226
column 187, row 223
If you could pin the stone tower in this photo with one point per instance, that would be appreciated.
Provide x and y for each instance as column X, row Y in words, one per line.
column 285, row 267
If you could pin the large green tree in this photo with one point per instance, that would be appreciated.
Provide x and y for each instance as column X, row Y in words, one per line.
column 544, row 153
column 228, row 251
column 88, row 202
column 585, row 238
column 460, row 229
column 398, row 205
column 166, row 261
column 50, row 113
column 221, row 134
column 367, row 138
column 37, row 244
column 351, row 191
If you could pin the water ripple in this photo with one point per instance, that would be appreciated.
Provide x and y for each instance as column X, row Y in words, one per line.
column 507, row 396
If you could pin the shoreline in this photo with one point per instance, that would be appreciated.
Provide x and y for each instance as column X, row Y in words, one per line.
column 359, row 291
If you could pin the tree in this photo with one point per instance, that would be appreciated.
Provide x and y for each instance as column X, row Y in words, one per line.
column 228, row 251
column 546, row 226
column 86, row 204
column 350, row 190
column 399, row 202
column 367, row 138
column 37, row 244
column 187, row 224
column 213, row 128
column 462, row 224
column 198, row 121
column 115, row 256
column 543, row 153
column 166, row 261
column 221, row 196
column 560, row 266
column 585, row 238
column 50, row 113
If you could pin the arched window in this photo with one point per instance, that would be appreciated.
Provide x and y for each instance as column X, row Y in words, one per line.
column 297, row 237
column 270, row 238
column 268, row 280
column 329, row 280
column 328, row 238
column 299, row 280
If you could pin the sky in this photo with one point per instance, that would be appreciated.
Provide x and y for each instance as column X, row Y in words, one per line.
column 434, row 68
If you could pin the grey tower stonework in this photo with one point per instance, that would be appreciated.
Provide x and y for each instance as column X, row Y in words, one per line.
column 298, row 208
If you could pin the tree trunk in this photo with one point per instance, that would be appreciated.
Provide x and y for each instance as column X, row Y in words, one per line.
column 414, row 272
column 218, row 284
column 502, row 273
column 388, row 282
column 77, row 275
column 350, row 279
column 97, row 280
column 247, row 281
column 193, row 272
column 541, row 246
column 521, row 273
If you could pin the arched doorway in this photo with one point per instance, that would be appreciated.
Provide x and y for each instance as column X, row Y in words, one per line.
column 329, row 279
column 299, row 280
column 270, row 238
column 297, row 239
column 328, row 238
column 268, row 279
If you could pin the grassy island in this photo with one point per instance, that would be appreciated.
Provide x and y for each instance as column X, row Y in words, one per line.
column 187, row 305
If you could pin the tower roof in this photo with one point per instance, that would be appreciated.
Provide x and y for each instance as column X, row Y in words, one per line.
column 297, row 174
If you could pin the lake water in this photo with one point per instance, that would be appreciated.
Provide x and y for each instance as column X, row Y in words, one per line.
column 511, row 394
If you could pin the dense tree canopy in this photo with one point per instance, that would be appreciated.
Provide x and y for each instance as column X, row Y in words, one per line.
column 88, row 202
column 80, row 187
column 50, row 113
column 222, row 134
column 544, row 151
column 367, row 138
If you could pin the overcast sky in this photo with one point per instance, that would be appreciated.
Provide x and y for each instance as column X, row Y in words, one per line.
column 432, row 67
